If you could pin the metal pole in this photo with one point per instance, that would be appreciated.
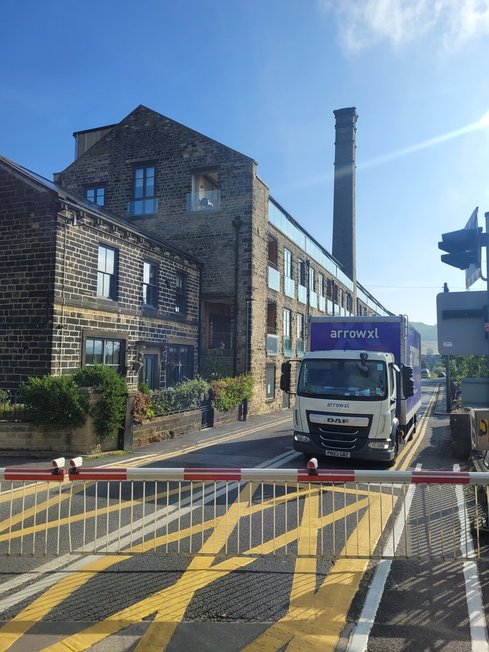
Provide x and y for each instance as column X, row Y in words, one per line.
column 448, row 385
column 485, row 243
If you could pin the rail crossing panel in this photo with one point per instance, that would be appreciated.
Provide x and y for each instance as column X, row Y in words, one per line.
column 243, row 512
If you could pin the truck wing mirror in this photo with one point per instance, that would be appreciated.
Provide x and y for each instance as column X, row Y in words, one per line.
column 285, row 377
column 407, row 376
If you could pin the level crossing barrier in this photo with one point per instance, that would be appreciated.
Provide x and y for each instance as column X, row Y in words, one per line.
column 229, row 512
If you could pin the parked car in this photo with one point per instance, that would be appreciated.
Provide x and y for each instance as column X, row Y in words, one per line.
column 425, row 373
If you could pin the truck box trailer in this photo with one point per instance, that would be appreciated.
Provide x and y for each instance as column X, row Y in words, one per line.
column 358, row 387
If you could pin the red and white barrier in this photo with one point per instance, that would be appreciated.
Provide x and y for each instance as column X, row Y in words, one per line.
column 188, row 474
column 26, row 474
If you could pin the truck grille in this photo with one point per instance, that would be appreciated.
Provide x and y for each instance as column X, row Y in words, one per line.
column 337, row 436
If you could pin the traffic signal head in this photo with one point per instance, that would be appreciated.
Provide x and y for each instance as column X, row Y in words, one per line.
column 463, row 247
column 285, row 377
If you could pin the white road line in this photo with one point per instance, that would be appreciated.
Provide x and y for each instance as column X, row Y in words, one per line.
column 475, row 605
column 359, row 637
column 358, row 641
column 60, row 563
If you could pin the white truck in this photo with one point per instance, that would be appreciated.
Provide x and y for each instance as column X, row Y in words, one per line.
column 358, row 387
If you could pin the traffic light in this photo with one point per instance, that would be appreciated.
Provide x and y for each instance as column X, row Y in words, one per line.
column 285, row 377
column 464, row 247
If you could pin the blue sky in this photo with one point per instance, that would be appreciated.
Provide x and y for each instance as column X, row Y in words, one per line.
column 264, row 77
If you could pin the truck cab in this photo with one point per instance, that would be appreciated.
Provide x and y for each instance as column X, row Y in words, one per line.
column 346, row 405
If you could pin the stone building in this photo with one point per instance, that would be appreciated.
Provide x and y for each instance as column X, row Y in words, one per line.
column 81, row 286
column 263, row 275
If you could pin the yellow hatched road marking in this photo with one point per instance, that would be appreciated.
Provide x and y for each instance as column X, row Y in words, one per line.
column 41, row 606
column 176, row 598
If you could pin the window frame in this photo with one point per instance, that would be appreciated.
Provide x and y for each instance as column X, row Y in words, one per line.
column 272, row 252
column 287, row 263
column 104, row 339
column 271, row 318
column 287, row 323
column 299, row 319
column 321, row 284
column 96, row 188
column 148, row 287
column 103, row 274
column 144, row 167
column 301, row 272
column 181, row 293
column 187, row 349
column 312, row 278
column 270, row 396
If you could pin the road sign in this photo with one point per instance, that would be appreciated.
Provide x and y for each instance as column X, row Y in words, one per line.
column 473, row 273
column 461, row 319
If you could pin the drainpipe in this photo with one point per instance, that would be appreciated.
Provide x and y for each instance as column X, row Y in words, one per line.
column 308, row 303
column 199, row 321
column 237, row 223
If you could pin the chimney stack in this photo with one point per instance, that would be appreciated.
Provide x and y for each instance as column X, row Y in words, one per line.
column 344, row 236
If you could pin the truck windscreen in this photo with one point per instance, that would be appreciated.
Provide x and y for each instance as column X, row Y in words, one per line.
column 324, row 378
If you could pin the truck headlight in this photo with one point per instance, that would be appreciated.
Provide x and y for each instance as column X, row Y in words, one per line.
column 382, row 445
column 303, row 438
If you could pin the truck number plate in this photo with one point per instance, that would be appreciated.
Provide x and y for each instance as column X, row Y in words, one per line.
column 337, row 453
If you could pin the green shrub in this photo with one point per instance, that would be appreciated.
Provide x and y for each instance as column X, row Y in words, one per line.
column 190, row 393
column 109, row 411
column 187, row 395
column 227, row 393
column 4, row 397
column 163, row 401
column 53, row 400
column 144, row 388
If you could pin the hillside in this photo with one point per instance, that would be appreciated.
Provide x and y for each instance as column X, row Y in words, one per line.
column 429, row 337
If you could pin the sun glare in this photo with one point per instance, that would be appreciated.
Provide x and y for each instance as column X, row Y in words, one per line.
column 482, row 123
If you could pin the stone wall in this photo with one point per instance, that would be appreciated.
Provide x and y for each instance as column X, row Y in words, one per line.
column 27, row 245
column 177, row 153
column 18, row 436
column 166, row 427
column 79, row 313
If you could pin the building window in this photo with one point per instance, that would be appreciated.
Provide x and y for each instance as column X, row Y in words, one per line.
column 270, row 381
column 144, row 182
column 180, row 293
column 96, row 195
column 271, row 318
column 144, row 201
column 287, row 263
column 287, row 322
column 336, row 292
column 107, row 273
column 104, row 351
column 179, row 364
column 150, row 284
column 312, row 280
column 300, row 326
column 329, row 288
column 272, row 251
column 321, row 285
column 287, row 341
column 301, row 266
column 206, row 194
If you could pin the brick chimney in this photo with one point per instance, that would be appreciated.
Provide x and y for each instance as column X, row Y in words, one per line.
column 344, row 236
